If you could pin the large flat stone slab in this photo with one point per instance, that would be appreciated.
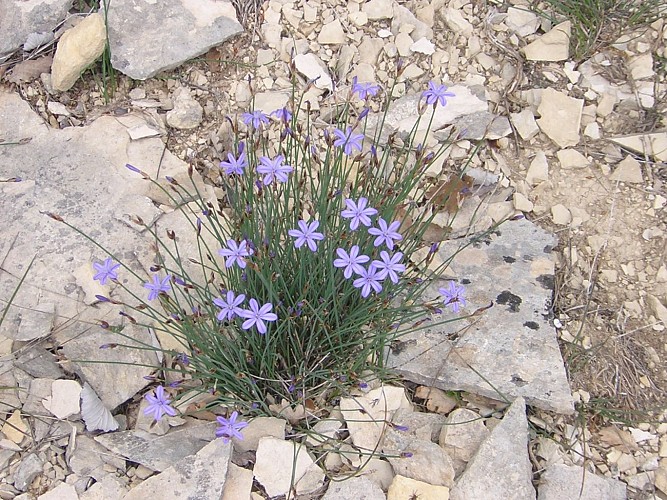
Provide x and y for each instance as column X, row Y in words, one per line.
column 510, row 348
column 149, row 37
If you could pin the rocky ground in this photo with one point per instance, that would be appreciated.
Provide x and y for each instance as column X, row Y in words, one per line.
column 576, row 146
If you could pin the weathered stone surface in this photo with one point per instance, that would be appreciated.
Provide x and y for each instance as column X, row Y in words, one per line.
column 560, row 117
column 108, row 487
column 463, row 433
column 159, row 453
column 29, row 468
column 501, row 467
column 63, row 491
column 258, row 428
column 628, row 170
column 65, row 398
column 39, row 363
column 197, row 477
column 511, row 345
column 571, row 158
column 563, row 481
column 20, row 19
column 525, row 124
column 552, row 46
column 404, row 488
column 355, row 488
column 88, row 458
column 653, row 144
column 149, row 37
column 456, row 22
column 238, row 484
column 378, row 9
column 77, row 49
column 522, row 21
column 15, row 428
column 187, row 112
column 310, row 66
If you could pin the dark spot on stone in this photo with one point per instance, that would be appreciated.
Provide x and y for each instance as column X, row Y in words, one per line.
column 508, row 298
column 528, row 258
column 548, row 249
column 508, row 259
column 518, row 381
column 465, row 281
column 547, row 281
column 532, row 325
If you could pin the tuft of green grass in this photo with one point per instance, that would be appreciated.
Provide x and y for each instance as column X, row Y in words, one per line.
column 597, row 23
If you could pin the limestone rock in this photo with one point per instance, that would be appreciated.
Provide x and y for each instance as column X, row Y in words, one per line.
column 561, row 481
column 64, row 399
column 560, row 117
column 521, row 203
column 404, row 488
column 332, row 33
column 462, row 434
column 522, row 21
column 456, row 22
column 552, row 46
column 653, row 144
column 15, row 428
column 501, row 467
column 560, row 215
column 641, row 66
column 310, row 66
column 571, row 158
column 258, row 428
column 77, row 49
column 187, row 112
column 355, row 488
column 538, row 171
column 201, row 476
column 525, row 124
column 63, row 491
column 378, row 9
column 238, row 484
column 628, row 170
column 29, row 468
column 149, row 37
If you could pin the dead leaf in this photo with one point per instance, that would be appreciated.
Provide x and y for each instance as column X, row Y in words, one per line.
column 29, row 70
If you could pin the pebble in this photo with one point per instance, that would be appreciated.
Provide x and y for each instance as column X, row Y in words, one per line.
column 560, row 215
column 628, row 170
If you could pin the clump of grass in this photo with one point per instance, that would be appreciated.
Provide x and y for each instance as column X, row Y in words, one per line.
column 597, row 23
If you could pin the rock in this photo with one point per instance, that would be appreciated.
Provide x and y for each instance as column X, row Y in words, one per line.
column 516, row 353
column 522, row 21
column 369, row 50
column 437, row 400
column 21, row 19
column 560, row 117
column 641, row 66
column 64, row 400
column 142, row 131
column 77, row 49
column 57, row 108
column 501, row 467
column 378, row 9
column 552, row 46
column 571, row 158
column 268, row 102
column 462, row 434
column 521, row 203
column 258, row 428
column 427, row 462
column 187, row 112
column 561, row 215
column 654, row 144
column 657, row 309
column 39, row 390
column 404, row 20
column 108, row 487
column 323, row 431
column 148, row 37
column 423, row 46
column 354, row 488
column 15, row 428
column 201, row 476
column 378, row 471
column 279, row 461
column 29, row 468
column 159, row 453
column 63, row 491
column 456, row 22
column 525, row 124
column 332, row 34
column 39, row 363
column 404, row 488
column 563, row 481
column 628, row 170
column 238, row 484
column 661, row 478
column 310, row 66
column 88, row 458
column 403, row 43
column 538, row 171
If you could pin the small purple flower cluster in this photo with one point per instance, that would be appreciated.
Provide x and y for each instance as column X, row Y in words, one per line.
column 254, row 316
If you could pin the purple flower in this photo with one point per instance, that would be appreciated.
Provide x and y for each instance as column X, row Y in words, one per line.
column 230, row 307
column 351, row 262
column 364, row 89
column 256, row 316
column 230, row 428
column 283, row 114
column 159, row 404
column 436, row 93
column 306, row 234
column 348, row 140
column 453, row 296
column 273, row 168
column 236, row 252
column 389, row 266
column 257, row 118
column 158, row 286
column 358, row 212
column 370, row 278
column 386, row 234
column 234, row 165
column 106, row 270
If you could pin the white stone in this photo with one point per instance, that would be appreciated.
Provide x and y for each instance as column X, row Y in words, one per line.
column 522, row 21
column 65, row 398
column 456, row 22
column 311, row 66
column 258, row 428
column 378, row 9
column 653, row 144
column 358, row 18
column 592, row 130
column 268, row 102
column 58, row 108
column 522, row 203
column 187, row 112
column 641, row 66
column 628, row 170
column 403, row 43
column 561, row 481
column 571, row 158
column 560, row 117
column 462, row 433
column 142, row 131
column 538, row 171
column 552, row 46
column 525, row 124
column 77, row 49
column 404, row 488
column 423, row 46
column 238, row 484
column 278, row 461
column 63, row 491
column 560, row 215
column 353, row 488
column 332, row 33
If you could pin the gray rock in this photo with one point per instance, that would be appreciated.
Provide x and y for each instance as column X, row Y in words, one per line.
column 187, row 112
column 159, row 452
column 88, row 458
column 563, row 481
column 197, row 477
column 29, row 468
column 20, row 19
column 501, row 467
column 40, row 389
column 148, row 37
column 39, row 363
column 510, row 348
column 462, row 434
column 354, row 488
column 424, row 461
